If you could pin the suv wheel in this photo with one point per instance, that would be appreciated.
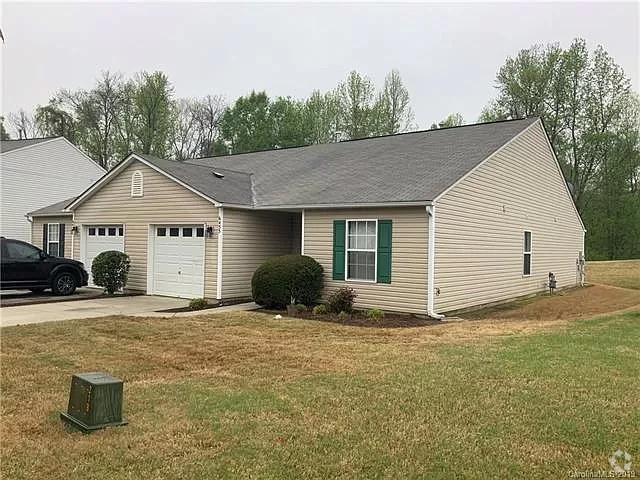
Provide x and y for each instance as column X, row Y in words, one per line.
column 64, row 284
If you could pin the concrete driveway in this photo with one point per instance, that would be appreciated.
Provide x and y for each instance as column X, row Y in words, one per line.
column 51, row 312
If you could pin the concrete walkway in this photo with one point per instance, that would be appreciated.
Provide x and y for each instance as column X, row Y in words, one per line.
column 141, row 305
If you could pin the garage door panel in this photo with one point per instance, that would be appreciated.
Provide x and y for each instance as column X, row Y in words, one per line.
column 178, row 261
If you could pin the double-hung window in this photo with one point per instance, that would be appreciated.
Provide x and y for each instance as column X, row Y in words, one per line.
column 526, row 267
column 361, row 249
column 53, row 239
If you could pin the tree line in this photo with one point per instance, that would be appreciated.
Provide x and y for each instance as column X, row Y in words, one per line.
column 142, row 114
column 584, row 98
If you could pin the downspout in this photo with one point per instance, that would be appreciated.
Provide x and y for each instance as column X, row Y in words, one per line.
column 302, row 235
column 30, row 220
column 431, row 264
column 220, row 243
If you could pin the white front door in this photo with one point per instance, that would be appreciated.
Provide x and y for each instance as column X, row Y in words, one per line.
column 178, row 261
column 98, row 239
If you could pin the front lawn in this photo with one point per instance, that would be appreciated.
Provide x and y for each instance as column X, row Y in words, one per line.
column 247, row 396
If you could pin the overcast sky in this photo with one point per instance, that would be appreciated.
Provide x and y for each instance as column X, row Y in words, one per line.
column 447, row 54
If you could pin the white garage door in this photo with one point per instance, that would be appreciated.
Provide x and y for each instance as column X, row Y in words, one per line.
column 178, row 261
column 100, row 238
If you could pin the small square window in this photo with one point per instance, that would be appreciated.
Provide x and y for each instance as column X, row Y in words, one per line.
column 112, row 231
column 187, row 232
column 121, row 231
column 200, row 232
column 174, row 232
column 102, row 231
column 162, row 232
column 92, row 231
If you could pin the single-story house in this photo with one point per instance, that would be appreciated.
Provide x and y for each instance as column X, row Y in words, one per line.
column 38, row 172
column 425, row 222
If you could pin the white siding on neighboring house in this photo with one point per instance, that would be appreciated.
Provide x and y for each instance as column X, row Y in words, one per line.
column 480, row 225
column 37, row 176
column 407, row 291
column 163, row 202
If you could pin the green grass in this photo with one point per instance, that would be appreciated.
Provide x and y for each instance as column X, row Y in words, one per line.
column 245, row 396
column 619, row 273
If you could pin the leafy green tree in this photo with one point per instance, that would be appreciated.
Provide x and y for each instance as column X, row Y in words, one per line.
column 55, row 119
column 321, row 117
column 286, row 117
column 392, row 108
column 246, row 127
column 452, row 120
column 152, row 100
column 356, row 99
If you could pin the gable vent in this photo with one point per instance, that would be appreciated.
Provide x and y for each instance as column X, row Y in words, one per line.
column 217, row 174
column 136, row 184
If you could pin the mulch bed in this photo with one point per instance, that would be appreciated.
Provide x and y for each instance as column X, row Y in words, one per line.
column 360, row 319
column 208, row 307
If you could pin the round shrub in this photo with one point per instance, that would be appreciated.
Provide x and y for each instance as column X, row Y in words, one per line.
column 110, row 270
column 198, row 304
column 375, row 314
column 319, row 309
column 342, row 300
column 285, row 280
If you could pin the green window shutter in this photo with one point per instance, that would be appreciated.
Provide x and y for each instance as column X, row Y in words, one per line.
column 384, row 251
column 339, row 233
column 45, row 233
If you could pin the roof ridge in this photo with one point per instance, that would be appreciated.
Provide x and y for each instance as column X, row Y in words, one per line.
column 427, row 130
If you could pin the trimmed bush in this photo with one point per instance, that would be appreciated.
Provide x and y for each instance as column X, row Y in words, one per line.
column 286, row 280
column 375, row 314
column 319, row 309
column 198, row 304
column 343, row 316
column 342, row 300
column 301, row 307
column 110, row 270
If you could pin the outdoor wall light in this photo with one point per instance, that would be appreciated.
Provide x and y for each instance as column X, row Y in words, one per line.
column 209, row 231
column 74, row 229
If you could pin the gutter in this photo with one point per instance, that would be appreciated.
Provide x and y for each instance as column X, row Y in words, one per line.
column 219, row 259
column 431, row 264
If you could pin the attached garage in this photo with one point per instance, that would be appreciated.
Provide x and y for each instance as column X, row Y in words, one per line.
column 98, row 239
column 176, row 260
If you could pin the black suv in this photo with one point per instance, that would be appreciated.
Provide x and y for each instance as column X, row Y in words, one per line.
column 25, row 267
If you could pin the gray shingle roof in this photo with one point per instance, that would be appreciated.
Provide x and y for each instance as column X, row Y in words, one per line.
column 411, row 167
column 234, row 188
column 55, row 209
column 8, row 145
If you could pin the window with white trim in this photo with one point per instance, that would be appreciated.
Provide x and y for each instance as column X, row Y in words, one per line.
column 136, row 184
column 53, row 239
column 526, row 252
column 361, row 249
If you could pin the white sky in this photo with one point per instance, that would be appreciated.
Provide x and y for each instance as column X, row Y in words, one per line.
column 447, row 54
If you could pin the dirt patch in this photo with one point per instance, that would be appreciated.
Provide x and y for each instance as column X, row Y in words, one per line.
column 360, row 319
column 569, row 304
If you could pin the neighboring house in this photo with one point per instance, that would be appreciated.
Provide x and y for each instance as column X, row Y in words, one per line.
column 425, row 222
column 38, row 172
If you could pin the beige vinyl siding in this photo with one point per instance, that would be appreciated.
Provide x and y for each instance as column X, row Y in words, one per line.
column 164, row 202
column 480, row 226
column 36, row 232
column 250, row 237
column 407, row 291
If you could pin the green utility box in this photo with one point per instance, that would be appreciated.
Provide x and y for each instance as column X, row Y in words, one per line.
column 95, row 402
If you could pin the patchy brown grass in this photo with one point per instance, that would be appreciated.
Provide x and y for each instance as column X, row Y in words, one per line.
column 563, row 305
column 620, row 273
column 528, row 391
